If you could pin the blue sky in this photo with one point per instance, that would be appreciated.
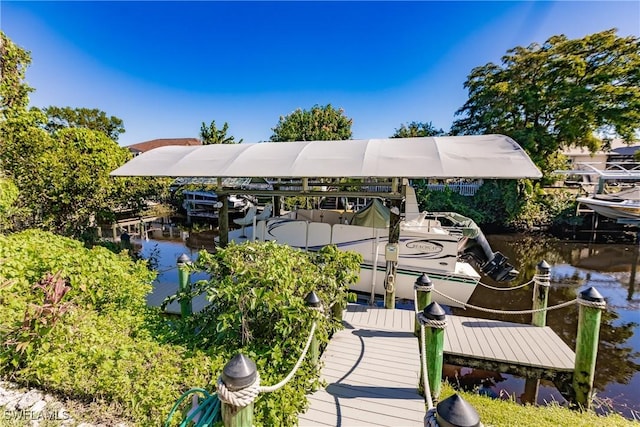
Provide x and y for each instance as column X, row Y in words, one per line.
column 166, row 67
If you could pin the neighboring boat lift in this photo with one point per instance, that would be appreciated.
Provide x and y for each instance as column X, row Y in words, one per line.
column 622, row 206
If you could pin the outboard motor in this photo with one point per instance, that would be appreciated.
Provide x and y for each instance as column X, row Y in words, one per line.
column 493, row 264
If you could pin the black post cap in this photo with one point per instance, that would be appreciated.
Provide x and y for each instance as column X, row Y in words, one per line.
column 423, row 280
column 184, row 259
column 434, row 312
column 239, row 372
column 313, row 300
column 591, row 294
column 454, row 411
column 543, row 267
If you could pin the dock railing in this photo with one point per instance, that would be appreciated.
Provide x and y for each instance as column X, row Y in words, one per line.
column 590, row 302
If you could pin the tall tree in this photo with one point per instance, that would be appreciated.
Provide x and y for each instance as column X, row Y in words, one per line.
column 416, row 129
column 14, row 92
column 212, row 135
column 321, row 123
column 563, row 93
column 89, row 118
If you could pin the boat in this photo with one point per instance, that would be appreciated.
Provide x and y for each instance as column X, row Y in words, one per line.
column 302, row 168
column 623, row 206
column 444, row 245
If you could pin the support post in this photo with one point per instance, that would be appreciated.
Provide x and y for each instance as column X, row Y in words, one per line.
column 433, row 319
column 223, row 219
column 530, row 394
column 591, row 304
column 391, row 255
column 541, row 283
column 423, row 287
column 184, row 286
column 239, row 373
column 314, row 303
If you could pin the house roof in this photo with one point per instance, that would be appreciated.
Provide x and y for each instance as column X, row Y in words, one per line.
column 145, row 146
column 483, row 156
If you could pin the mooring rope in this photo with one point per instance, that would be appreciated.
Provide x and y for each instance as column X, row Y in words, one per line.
column 425, row 375
column 243, row 397
column 495, row 288
column 514, row 312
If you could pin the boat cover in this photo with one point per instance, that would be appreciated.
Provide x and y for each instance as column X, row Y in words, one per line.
column 375, row 214
column 470, row 156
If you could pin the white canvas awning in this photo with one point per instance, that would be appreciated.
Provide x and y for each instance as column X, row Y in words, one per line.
column 483, row 156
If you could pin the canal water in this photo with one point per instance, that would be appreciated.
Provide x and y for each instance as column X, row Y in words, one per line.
column 610, row 268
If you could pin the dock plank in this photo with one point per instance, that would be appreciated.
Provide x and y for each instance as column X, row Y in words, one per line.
column 372, row 367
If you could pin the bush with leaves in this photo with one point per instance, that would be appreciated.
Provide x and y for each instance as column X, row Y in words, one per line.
column 257, row 306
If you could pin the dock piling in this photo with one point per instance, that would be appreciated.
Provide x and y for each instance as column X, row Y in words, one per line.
column 433, row 319
column 541, row 294
column 314, row 303
column 238, row 374
column 184, row 286
column 422, row 287
column 591, row 304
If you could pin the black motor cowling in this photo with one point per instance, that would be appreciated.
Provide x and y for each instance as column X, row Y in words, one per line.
column 493, row 264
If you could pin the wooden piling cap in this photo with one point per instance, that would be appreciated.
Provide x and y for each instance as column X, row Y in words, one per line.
column 423, row 280
column 434, row 312
column 543, row 267
column 184, row 259
column 313, row 300
column 454, row 411
column 239, row 372
column 591, row 294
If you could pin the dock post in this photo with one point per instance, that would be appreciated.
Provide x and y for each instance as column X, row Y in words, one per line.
column 314, row 303
column 184, row 287
column 223, row 219
column 591, row 305
column 541, row 283
column 423, row 287
column 454, row 411
column 238, row 374
column 433, row 319
column 391, row 255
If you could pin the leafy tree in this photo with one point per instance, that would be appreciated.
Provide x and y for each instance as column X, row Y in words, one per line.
column 562, row 93
column 90, row 118
column 212, row 135
column 416, row 129
column 321, row 123
column 14, row 61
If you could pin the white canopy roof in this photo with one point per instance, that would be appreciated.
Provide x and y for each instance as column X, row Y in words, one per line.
column 483, row 156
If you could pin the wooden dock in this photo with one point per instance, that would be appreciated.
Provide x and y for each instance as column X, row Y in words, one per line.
column 372, row 367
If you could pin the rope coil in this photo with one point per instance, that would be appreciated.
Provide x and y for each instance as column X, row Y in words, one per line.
column 238, row 398
column 593, row 304
column 432, row 323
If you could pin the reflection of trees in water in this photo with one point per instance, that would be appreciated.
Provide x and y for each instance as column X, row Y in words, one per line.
column 616, row 360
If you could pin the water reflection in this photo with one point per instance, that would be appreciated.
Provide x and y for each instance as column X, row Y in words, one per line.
column 609, row 268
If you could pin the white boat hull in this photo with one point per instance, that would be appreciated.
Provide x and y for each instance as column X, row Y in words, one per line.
column 432, row 253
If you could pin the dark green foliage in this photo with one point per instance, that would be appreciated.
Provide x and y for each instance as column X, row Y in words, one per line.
column 90, row 118
column 562, row 93
column 416, row 129
column 321, row 123
column 504, row 204
column 14, row 92
column 212, row 135
column 98, row 341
